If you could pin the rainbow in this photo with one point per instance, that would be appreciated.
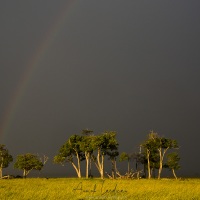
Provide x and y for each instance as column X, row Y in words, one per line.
column 32, row 66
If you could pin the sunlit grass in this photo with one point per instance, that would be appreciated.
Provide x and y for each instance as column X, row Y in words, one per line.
column 72, row 188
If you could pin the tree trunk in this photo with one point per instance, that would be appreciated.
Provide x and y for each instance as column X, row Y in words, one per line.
column 112, row 170
column 173, row 171
column 90, row 174
column 161, row 160
column 159, row 170
column 100, row 163
column 87, row 167
column 1, row 168
column 148, row 164
column 77, row 170
column 24, row 173
column 138, row 170
column 79, row 166
column 160, row 163
column 87, row 157
column 1, row 172
column 102, row 167
column 113, row 161
column 115, row 166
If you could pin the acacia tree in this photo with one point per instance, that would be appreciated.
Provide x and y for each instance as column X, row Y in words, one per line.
column 125, row 156
column 173, row 162
column 44, row 159
column 87, row 147
column 113, row 157
column 5, row 158
column 149, row 148
column 151, row 161
column 103, row 143
column 70, row 150
column 28, row 162
column 162, row 145
column 139, row 158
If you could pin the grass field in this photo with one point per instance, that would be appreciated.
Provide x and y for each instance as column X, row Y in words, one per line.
column 72, row 188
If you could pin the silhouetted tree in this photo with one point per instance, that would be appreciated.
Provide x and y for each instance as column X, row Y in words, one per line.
column 103, row 143
column 173, row 162
column 87, row 147
column 125, row 156
column 113, row 157
column 149, row 148
column 161, row 144
column 5, row 158
column 70, row 150
column 28, row 162
column 139, row 159
column 154, row 161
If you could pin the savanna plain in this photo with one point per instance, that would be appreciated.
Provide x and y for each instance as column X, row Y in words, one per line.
column 83, row 189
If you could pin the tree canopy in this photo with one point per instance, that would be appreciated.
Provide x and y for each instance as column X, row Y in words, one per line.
column 95, row 148
column 70, row 150
column 156, row 146
column 5, row 158
column 28, row 162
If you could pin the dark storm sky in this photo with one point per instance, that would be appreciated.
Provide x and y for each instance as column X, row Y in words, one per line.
column 128, row 66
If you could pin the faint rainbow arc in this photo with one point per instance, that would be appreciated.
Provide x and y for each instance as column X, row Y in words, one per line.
column 33, row 64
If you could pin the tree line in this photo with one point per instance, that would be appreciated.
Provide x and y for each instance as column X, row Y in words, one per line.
column 93, row 149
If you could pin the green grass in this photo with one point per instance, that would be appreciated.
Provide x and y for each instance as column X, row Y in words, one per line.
column 72, row 188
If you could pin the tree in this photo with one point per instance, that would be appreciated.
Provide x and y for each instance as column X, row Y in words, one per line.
column 44, row 159
column 5, row 158
column 163, row 144
column 70, row 150
column 151, row 161
column 139, row 159
column 27, row 163
column 125, row 156
column 159, row 144
column 113, row 157
column 87, row 147
column 103, row 143
column 173, row 162
column 149, row 149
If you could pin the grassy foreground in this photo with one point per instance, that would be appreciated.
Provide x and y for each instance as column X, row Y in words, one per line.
column 72, row 188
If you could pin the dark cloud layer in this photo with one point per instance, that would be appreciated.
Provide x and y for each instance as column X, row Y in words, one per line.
column 128, row 66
